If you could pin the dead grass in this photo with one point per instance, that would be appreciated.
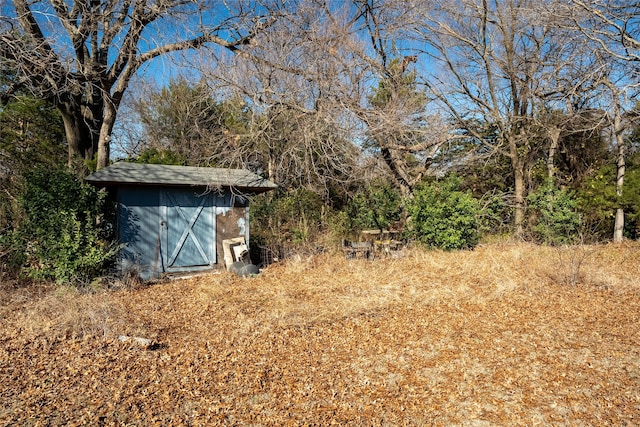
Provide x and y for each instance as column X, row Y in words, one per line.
column 506, row 334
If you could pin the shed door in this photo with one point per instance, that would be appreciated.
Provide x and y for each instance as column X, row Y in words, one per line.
column 188, row 224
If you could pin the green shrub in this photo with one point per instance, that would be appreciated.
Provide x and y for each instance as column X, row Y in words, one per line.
column 12, row 254
column 495, row 215
column 73, row 253
column 61, row 238
column 289, row 217
column 375, row 206
column 598, row 200
column 442, row 216
column 554, row 214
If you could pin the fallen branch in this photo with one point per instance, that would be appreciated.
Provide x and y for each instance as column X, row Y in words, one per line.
column 139, row 341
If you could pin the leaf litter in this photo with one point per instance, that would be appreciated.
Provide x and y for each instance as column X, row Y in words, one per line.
column 494, row 336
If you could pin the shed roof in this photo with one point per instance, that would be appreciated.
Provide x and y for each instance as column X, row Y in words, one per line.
column 125, row 173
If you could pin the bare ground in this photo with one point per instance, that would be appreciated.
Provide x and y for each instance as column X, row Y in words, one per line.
column 503, row 335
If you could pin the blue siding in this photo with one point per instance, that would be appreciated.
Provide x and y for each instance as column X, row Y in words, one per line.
column 139, row 230
column 188, row 229
column 166, row 229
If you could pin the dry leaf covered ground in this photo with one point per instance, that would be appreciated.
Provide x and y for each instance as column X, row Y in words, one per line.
column 503, row 335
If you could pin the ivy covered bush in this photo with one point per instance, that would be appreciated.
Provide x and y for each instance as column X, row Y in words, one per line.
column 63, row 236
column 291, row 217
column 554, row 215
column 443, row 216
column 375, row 206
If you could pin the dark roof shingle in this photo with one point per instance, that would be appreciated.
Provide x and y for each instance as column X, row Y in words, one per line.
column 145, row 174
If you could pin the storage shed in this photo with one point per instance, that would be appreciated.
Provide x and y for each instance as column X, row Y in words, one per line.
column 173, row 219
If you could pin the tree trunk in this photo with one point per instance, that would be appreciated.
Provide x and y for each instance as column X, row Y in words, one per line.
column 400, row 177
column 81, row 142
column 271, row 165
column 554, row 136
column 517, row 165
column 104, row 142
column 519, row 196
column 618, row 228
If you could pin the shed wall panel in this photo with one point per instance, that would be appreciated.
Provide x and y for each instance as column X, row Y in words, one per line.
column 139, row 230
column 173, row 229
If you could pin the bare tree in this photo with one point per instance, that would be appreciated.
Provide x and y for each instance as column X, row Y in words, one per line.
column 402, row 127
column 293, row 82
column 334, row 67
column 613, row 27
column 499, row 65
column 621, row 116
column 82, row 55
